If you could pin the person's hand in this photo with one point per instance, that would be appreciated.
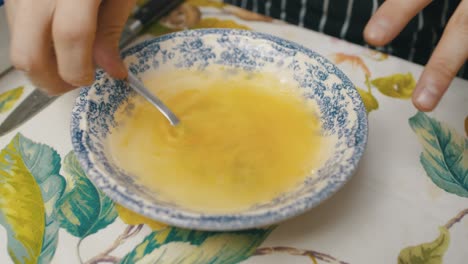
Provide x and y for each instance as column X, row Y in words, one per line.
column 59, row 42
column 448, row 57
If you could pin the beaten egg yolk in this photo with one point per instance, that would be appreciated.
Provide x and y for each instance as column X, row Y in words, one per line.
column 244, row 139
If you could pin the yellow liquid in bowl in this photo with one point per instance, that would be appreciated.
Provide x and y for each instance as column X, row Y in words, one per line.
column 244, row 139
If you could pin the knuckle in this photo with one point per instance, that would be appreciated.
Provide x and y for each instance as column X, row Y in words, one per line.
column 443, row 67
column 52, row 85
column 23, row 62
column 77, row 79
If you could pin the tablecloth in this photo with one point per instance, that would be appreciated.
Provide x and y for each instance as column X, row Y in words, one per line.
column 407, row 203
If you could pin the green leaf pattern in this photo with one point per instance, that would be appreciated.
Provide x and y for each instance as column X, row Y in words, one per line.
column 445, row 155
column 174, row 245
column 397, row 85
column 29, row 216
column 9, row 98
column 83, row 210
column 19, row 196
column 368, row 99
column 35, row 200
column 428, row 253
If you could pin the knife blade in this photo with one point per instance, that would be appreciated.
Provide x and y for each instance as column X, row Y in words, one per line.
column 38, row 100
column 33, row 104
column 144, row 16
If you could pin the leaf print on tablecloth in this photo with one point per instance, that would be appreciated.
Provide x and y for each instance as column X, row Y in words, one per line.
column 370, row 102
column 131, row 218
column 9, row 98
column 174, row 245
column 212, row 22
column 428, row 253
column 231, row 10
column 397, row 85
column 141, row 2
column 206, row 3
column 167, row 26
column 313, row 255
column 106, row 256
column 246, row 14
column 184, row 16
column 376, row 55
column 157, row 29
column 83, row 209
column 30, row 187
column 354, row 60
column 445, row 155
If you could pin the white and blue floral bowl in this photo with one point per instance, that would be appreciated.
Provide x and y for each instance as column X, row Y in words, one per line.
column 340, row 109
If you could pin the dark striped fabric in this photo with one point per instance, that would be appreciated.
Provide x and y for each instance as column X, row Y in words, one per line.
column 346, row 19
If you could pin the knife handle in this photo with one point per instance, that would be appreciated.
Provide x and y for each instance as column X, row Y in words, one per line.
column 154, row 10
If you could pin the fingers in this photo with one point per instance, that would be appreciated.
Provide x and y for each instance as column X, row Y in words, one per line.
column 54, row 41
column 112, row 18
column 390, row 19
column 74, row 29
column 451, row 53
column 31, row 27
column 10, row 6
column 31, row 44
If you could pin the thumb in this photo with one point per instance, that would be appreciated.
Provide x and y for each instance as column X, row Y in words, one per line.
column 113, row 15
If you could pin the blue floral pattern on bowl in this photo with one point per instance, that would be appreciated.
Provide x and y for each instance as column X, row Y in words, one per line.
column 340, row 108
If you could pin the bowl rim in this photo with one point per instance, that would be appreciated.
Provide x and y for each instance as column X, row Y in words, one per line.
column 229, row 221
